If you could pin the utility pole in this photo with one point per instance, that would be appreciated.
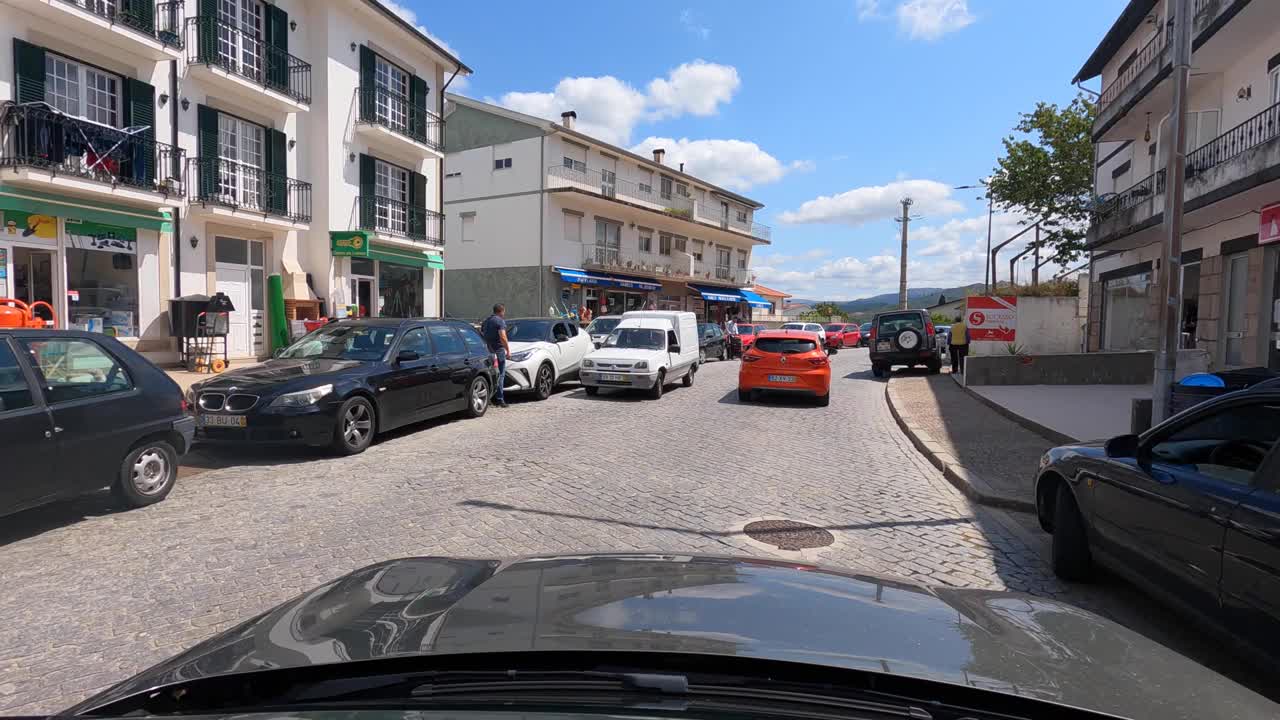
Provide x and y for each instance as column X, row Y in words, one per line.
column 990, row 209
column 902, row 278
column 1169, row 280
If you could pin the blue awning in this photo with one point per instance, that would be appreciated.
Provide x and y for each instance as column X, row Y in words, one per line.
column 755, row 300
column 635, row 283
column 575, row 275
column 717, row 294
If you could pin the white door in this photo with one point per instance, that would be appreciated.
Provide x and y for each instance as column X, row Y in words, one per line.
column 233, row 280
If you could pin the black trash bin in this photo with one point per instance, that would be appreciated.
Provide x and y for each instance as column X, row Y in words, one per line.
column 1186, row 396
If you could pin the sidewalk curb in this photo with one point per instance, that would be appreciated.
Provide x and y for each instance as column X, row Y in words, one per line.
column 1047, row 433
column 965, row 479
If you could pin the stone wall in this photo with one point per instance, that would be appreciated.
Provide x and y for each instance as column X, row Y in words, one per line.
column 1100, row 368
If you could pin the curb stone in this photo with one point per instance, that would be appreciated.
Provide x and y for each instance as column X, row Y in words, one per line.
column 967, row 480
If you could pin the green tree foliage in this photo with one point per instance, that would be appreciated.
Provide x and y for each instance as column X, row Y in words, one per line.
column 1047, row 172
column 825, row 310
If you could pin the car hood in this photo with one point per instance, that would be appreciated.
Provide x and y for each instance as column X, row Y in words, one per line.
column 273, row 373
column 628, row 354
column 1003, row 641
column 529, row 345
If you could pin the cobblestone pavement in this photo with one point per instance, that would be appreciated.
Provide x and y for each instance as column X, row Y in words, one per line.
column 93, row 595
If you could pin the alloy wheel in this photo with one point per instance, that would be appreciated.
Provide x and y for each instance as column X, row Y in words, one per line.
column 150, row 472
column 356, row 425
column 479, row 395
column 544, row 381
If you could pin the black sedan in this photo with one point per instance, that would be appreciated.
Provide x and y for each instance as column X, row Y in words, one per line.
column 1190, row 510
column 346, row 382
column 681, row 636
column 712, row 342
column 80, row 412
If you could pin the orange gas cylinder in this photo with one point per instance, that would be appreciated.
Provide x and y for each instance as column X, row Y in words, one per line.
column 17, row 314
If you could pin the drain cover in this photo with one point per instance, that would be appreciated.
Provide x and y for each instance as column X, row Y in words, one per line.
column 788, row 534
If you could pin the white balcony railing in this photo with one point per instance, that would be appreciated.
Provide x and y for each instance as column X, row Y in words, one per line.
column 677, row 265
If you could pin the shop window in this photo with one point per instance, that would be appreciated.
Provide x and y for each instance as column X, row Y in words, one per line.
column 399, row 290
column 102, row 278
column 362, row 266
column 1125, row 304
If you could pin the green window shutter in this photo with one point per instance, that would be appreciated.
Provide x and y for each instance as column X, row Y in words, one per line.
column 367, row 203
column 418, row 108
column 140, row 110
column 368, row 71
column 277, row 27
column 207, row 32
column 207, row 149
column 28, row 69
column 417, row 205
column 277, row 167
column 139, row 15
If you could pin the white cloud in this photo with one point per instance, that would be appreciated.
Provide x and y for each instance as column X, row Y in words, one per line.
column 689, row 19
column 875, row 202
column 733, row 164
column 931, row 19
column 411, row 17
column 867, row 9
column 609, row 108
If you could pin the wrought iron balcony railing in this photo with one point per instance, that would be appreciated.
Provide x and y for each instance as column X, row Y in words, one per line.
column 213, row 42
column 379, row 106
column 162, row 21
column 385, row 216
column 216, row 181
column 35, row 135
column 1153, row 51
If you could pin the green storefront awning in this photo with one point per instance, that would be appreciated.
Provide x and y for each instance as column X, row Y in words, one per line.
column 359, row 243
column 42, row 203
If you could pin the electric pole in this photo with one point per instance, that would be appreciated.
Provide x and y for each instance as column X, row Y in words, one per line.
column 1169, row 277
column 902, row 279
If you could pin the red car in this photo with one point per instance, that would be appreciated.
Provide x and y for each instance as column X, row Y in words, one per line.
column 785, row 361
column 741, row 342
column 843, row 335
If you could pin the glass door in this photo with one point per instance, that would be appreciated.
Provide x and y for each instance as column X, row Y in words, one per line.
column 1237, row 285
column 240, row 160
column 239, row 36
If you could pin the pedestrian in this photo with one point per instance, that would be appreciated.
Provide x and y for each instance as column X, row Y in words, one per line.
column 959, row 344
column 651, row 304
column 584, row 315
column 730, row 325
column 494, row 331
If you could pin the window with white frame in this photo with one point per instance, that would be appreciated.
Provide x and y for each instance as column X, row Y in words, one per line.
column 681, row 243
column 240, row 146
column 502, row 163
column 664, row 244
column 391, row 185
column 645, row 181
column 572, row 227
column 1273, row 79
column 575, row 165
column 240, row 36
column 82, row 91
column 393, row 93
column 742, row 259
column 742, row 216
column 646, row 241
column 697, row 250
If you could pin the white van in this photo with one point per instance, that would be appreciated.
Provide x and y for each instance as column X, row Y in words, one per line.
column 648, row 349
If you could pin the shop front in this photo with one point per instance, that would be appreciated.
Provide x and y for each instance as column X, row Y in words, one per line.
column 603, row 293
column 718, row 304
column 383, row 280
column 97, row 267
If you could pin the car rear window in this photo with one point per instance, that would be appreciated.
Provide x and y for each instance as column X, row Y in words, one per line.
column 889, row 324
column 834, row 328
column 786, row 346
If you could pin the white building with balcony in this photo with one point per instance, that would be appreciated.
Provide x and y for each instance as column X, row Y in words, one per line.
column 1229, row 275
column 152, row 150
column 541, row 216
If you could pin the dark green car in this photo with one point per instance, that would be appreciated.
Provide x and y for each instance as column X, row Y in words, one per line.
column 904, row 338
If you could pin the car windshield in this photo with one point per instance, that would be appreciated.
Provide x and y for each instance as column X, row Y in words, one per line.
column 528, row 330
column 343, row 341
column 603, row 326
column 639, row 338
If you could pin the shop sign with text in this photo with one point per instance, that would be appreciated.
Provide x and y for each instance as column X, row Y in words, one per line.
column 993, row 318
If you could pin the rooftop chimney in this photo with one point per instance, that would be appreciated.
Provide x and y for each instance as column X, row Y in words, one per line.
column 681, row 167
column 567, row 118
column 658, row 154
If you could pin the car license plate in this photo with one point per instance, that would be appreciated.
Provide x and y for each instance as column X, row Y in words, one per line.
column 782, row 378
column 613, row 377
column 883, row 346
column 222, row 420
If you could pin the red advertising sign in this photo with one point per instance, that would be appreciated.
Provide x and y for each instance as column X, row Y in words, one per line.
column 1269, row 225
column 992, row 318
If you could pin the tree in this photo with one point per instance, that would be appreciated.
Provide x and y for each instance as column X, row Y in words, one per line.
column 1048, row 173
column 827, row 309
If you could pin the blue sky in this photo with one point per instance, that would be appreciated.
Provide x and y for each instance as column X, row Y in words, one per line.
column 857, row 102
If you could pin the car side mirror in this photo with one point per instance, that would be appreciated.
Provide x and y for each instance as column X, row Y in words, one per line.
column 1122, row 446
column 561, row 337
column 407, row 356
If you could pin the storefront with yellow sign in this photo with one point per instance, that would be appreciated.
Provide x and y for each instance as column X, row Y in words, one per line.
column 382, row 280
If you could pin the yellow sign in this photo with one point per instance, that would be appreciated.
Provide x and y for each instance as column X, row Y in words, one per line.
column 20, row 224
column 349, row 243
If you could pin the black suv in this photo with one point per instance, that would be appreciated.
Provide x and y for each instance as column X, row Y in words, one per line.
column 904, row 337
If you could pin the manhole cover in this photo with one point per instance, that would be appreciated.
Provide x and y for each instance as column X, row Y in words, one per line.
column 788, row 534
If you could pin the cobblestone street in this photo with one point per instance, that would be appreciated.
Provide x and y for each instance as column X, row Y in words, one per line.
column 96, row 595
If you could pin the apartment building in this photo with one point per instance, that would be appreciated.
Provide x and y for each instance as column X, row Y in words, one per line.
column 1228, row 273
column 541, row 216
column 152, row 150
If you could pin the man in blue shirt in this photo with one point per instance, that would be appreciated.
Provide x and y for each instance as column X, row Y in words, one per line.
column 494, row 331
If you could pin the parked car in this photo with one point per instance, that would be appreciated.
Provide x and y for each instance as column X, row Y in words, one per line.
column 808, row 327
column 600, row 328
column 843, row 335
column 712, row 342
column 834, row 335
column 904, row 337
column 80, row 412
column 1189, row 510
column 740, row 341
column 944, row 335
column 544, row 352
column 347, row 381
column 647, row 350
column 437, row 637
column 865, row 331
column 786, row 361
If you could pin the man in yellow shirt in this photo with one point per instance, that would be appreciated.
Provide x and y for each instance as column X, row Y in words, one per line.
column 959, row 344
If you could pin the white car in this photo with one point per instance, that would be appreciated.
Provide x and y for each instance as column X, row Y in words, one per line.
column 808, row 327
column 544, row 352
column 600, row 328
column 647, row 350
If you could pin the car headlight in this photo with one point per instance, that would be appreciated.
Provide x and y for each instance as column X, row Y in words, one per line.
column 642, row 365
column 520, row 356
column 302, row 398
column 588, row 363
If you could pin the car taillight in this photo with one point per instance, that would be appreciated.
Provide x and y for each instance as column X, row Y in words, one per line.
column 182, row 404
column 750, row 358
column 928, row 327
column 873, row 333
column 818, row 361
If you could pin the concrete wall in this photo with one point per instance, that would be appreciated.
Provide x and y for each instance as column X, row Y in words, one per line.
column 1132, row 368
column 470, row 294
column 1045, row 325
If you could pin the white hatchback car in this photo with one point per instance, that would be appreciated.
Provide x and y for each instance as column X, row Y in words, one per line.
column 808, row 327
column 544, row 352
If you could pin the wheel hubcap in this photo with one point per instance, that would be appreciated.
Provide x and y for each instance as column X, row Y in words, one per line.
column 356, row 425
column 150, row 472
column 544, row 381
column 480, row 395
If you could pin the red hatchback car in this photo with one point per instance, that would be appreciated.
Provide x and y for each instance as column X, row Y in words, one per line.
column 843, row 335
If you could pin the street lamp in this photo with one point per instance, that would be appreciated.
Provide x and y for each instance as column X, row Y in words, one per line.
column 986, row 272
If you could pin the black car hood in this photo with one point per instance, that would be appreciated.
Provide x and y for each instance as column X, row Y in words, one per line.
column 1003, row 641
column 277, row 372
